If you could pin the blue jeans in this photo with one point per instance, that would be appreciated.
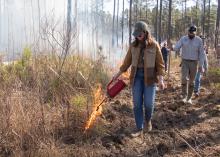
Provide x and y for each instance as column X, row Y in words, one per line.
column 142, row 94
column 197, row 82
column 165, row 59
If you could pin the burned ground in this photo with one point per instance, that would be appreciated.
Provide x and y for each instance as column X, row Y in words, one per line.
column 178, row 129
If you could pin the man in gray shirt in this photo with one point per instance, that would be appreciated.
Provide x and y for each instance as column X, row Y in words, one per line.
column 192, row 55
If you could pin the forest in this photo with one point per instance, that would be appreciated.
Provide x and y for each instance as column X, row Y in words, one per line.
column 66, row 87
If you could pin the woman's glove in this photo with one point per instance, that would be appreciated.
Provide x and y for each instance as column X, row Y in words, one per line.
column 161, row 83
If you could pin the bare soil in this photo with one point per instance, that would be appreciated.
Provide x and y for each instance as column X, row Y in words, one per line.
column 179, row 129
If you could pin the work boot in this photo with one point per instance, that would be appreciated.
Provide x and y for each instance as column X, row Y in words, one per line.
column 190, row 92
column 189, row 101
column 137, row 133
column 196, row 94
column 184, row 91
column 184, row 100
column 148, row 126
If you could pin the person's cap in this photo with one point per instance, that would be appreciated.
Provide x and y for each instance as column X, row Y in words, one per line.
column 192, row 29
column 139, row 28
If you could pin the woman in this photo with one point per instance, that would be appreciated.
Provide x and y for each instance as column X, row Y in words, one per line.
column 147, row 68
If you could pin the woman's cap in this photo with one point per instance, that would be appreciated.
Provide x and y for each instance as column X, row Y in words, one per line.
column 139, row 28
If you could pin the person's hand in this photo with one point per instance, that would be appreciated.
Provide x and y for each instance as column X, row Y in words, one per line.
column 201, row 69
column 116, row 76
column 205, row 72
column 170, row 45
column 161, row 83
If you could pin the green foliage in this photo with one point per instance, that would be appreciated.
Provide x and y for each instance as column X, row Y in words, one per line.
column 78, row 100
column 214, row 76
column 93, row 71
column 22, row 68
column 26, row 56
column 214, row 71
column 183, row 15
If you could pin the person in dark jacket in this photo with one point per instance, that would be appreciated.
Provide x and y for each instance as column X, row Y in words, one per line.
column 165, row 53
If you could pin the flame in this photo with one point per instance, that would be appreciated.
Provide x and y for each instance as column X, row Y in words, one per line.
column 98, row 98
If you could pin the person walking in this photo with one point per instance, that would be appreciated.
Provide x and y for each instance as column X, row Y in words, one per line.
column 192, row 56
column 165, row 53
column 199, row 75
column 147, row 68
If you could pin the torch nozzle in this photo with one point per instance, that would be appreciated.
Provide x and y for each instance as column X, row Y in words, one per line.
column 101, row 103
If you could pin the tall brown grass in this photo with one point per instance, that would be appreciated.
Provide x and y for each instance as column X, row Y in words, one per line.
column 39, row 108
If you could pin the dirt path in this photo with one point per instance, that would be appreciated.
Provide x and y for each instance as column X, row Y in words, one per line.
column 178, row 129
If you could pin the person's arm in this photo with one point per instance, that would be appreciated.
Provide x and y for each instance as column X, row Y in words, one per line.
column 178, row 45
column 159, row 62
column 127, row 61
column 160, row 66
column 126, row 64
column 201, row 55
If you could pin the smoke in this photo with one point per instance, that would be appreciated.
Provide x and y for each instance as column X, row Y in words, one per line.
column 41, row 25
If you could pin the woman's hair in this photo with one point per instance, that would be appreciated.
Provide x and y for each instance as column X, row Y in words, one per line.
column 148, row 38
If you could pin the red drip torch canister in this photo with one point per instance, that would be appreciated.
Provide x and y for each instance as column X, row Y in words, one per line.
column 114, row 87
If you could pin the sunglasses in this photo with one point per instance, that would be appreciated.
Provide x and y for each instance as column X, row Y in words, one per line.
column 141, row 35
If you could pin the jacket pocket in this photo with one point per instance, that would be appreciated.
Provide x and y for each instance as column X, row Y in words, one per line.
column 149, row 57
column 151, row 73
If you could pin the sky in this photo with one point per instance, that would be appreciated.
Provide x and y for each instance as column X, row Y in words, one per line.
column 109, row 5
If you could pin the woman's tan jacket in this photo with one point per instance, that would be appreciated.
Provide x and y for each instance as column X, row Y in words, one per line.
column 153, row 62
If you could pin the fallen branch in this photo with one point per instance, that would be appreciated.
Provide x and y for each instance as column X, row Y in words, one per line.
column 85, row 79
column 61, row 78
column 183, row 140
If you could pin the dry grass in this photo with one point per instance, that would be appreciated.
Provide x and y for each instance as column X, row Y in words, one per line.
column 37, row 107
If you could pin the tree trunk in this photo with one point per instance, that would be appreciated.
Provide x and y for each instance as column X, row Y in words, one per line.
column 146, row 12
column 217, row 24
column 140, row 13
column 169, row 21
column 67, row 39
column 156, row 24
column 169, row 32
column 32, row 8
column 130, row 12
column 203, row 21
column 185, row 15
column 136, row 12
column 182, row 21
column 117, row 21
column 208, row 30
column 39, row 23
column 113, row 24
column 122, row 24
column 25, row 27
column 160, row 21
column 197, row 4
column 0, row 21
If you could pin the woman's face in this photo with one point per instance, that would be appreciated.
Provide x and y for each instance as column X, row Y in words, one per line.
column 141, row 36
